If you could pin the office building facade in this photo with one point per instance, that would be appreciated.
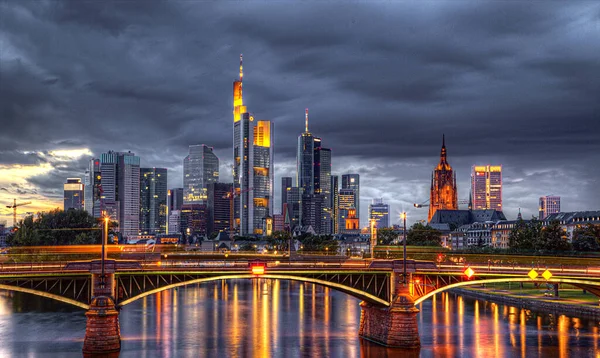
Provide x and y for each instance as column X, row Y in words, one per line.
column 380, row 212
column 549, row 205
column 352, row 182
column 120, row 198
column 92, row 189
column 219, row 207
column 153, row 201
column 200, row 168
column 73, row 194
column 486, row 187
column 286, row 186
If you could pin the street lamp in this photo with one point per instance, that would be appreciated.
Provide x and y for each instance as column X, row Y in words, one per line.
column 403, row 217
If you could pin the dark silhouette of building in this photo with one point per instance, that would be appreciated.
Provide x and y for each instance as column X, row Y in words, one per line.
column 218, row 207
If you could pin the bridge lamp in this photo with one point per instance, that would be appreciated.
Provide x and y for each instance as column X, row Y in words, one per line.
column 469, row 272
column 258, row 270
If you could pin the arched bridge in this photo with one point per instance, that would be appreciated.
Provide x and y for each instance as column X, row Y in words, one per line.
column 389, row 297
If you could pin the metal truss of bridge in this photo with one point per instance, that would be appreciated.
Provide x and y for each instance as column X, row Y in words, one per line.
column 389, row 298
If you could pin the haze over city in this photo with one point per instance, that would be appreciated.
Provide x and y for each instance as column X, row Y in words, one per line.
column 514, row 84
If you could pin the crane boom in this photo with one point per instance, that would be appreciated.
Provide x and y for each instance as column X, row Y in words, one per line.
column 14, row 207
column 424, row 205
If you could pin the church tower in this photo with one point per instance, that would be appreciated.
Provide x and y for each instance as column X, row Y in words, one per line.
column 443, row 186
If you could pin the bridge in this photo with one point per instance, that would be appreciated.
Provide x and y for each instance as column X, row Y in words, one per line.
column 388, row 296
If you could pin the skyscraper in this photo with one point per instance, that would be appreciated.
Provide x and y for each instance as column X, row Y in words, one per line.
column 174, row 203
column 352, row 182
column 153, row 200
column 252, row 165
column 333, row 203
column 346, row 201
column 286, row 185
column 120, row 198
column 73, row 194
column 443, row 194
column 380, row 212
column 218, row 207
column 200, row 168
column 314, row 179
column 92, row 189
column 486, row 187
column 294, row 206
column 549, row 204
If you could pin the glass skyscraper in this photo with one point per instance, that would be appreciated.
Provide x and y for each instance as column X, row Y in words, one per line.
column 73, row 194
column 380, row 212
column 352, row 182
column 153, row 201
column 200, row 168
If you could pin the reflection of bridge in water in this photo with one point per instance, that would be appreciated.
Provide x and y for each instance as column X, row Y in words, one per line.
column 388, row 301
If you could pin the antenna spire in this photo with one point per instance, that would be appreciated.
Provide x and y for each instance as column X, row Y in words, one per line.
column 241, row 68
column 306, row 120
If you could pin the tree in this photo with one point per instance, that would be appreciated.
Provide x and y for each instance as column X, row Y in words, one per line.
column 248, row 247
column 525, row 235
column 553, row 238
column 421, row 235
column 57, row 227
column 323, row 243
column 386, row 236
column 586, row 238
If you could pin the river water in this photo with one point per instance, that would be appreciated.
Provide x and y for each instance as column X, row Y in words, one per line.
column 272, row 318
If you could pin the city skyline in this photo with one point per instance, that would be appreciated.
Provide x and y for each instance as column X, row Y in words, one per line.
column 73, row 113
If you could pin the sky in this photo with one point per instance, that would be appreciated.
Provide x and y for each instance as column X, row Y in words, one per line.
column 513, row 83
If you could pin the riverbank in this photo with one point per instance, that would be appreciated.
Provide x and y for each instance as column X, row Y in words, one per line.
column 570, row 307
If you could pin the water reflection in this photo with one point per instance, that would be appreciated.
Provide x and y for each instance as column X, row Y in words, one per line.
column 271, row 318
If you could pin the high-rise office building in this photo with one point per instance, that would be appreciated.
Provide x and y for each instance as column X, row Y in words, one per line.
column 549, row 205
column 443, row 193
column 352, row 182
column 486, row 187
column 200, row 168
column 314, row 178
column 92, row 189
column 120, row 198
column 253, row 171
column 174, row 203
column 153, row 200
column 73, row 194
column 294, row 206
column 380, row 212
column 346, row 201
column 286, row 186
column 218, row 207
column 193, row 219
column 333, row 204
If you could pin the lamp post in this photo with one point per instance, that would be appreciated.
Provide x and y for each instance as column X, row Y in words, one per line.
column 104, row 253
column 403, row 217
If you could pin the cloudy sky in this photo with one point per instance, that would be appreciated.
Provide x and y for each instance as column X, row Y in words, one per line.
column 512, row 83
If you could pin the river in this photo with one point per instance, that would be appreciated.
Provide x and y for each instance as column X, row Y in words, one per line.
column 264, row 318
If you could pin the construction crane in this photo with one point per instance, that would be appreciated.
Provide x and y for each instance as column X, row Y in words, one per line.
column 14, row 207
column 424, row 204
column 231, row 196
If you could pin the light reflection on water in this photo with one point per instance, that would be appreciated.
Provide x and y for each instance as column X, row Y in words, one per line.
column 264, row 318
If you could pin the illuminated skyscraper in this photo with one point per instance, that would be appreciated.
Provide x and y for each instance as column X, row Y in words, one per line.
column 92, row 188
column 286, row 186
column 120, row 198
column 443, row 193
column 380, row 212
column 346, row 201
column 153, row 200
column 335, row 212
column 486, row 187
column 313, row 177
column 73, row 190
column 549, row 205
column 352, row 182
column 252, row 165
column 174, row 204
column 200, row 168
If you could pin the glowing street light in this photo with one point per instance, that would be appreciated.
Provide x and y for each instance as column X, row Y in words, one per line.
column 403, row 217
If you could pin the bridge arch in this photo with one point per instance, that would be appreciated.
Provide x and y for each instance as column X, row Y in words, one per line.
column 591, row 286
column 45, row 294
column 361, row 295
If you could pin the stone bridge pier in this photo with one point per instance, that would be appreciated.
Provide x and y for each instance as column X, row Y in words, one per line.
column 396, row 325
column 102, row 331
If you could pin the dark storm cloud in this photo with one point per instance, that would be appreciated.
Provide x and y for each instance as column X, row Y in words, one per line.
column 514, row 83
